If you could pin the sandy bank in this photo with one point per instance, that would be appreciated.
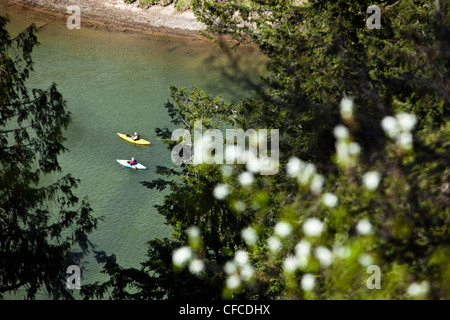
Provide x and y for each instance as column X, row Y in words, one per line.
column 115, row 14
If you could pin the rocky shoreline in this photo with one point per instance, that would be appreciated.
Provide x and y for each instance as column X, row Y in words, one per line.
column 116, row 14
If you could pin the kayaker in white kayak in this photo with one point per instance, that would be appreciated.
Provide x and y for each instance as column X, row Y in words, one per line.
column 136, row 136
column 132, row 161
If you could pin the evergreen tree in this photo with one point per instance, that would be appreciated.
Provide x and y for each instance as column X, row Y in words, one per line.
column 43, row 229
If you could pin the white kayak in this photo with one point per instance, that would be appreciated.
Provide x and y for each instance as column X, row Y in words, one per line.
column 126, row 164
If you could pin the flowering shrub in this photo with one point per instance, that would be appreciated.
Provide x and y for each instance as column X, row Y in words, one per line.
column 336, row 229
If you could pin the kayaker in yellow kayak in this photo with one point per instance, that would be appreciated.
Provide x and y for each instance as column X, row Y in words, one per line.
column 132, row 161
column 136, row 136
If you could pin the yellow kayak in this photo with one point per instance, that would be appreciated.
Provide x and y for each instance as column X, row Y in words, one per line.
column 128, row 138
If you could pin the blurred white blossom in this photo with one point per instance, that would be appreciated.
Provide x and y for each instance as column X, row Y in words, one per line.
column 233, row 282
column 250, row 237
column 253, row 163
column 346, row 108
column 399, row 128
column 246, row 178
column 306, row 172
column 181, row 256
column 193, row 232
column 406, row 121
column 313, row 227
column 247, row 272
column 324, row 256
column 390, row 126
column 308, row 282
column 241, row 257
column 230, row 267
column 274, row 244
column 330, row 200
column 293, row 167
column 290, row 263
column 418, row 289
column 364, row 227
column 371, row 179
column 341, row 132
column 354, row 148
column 283, row 229
column 365, row 260
column 317, row 183
column 302, row 250
column 405, row 140
column 221, row 191
column 196, row 266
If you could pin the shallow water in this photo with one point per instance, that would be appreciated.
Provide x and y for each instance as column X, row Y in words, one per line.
column 118, row 82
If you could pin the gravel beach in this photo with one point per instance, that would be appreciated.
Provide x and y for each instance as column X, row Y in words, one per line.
column 116, row 14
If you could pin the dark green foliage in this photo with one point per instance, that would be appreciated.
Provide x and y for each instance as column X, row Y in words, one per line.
column 43, row 229
column 321, row 53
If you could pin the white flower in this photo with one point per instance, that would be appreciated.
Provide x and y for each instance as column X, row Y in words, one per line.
column 313, row 227
column 253, row 164
column 196, row 266
column 181, row 256
column 241, row 257
column 416, row 289
column 306, row 172
column 193, row 232
column 342, row 152
column 371, row 179
column 365, row 260
column 221, row 191
column 290, row 263
column 283, row 229
column 390, row 126
column 317, row 184
column 293, row 167
column 324, row 256
column 364, row 227
column 246, row 178
column 230, row 267
column 302, row 249
column 233, row 282
column 308, row 282
column 247, row 272
column 406, row 121
column 341, row 132
column 346, row 108
column 330, row 200
column 354, row 148
column 250, row 237
column 274, row 244
column 405, row 140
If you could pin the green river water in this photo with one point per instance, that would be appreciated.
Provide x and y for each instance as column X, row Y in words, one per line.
column 117, row 81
